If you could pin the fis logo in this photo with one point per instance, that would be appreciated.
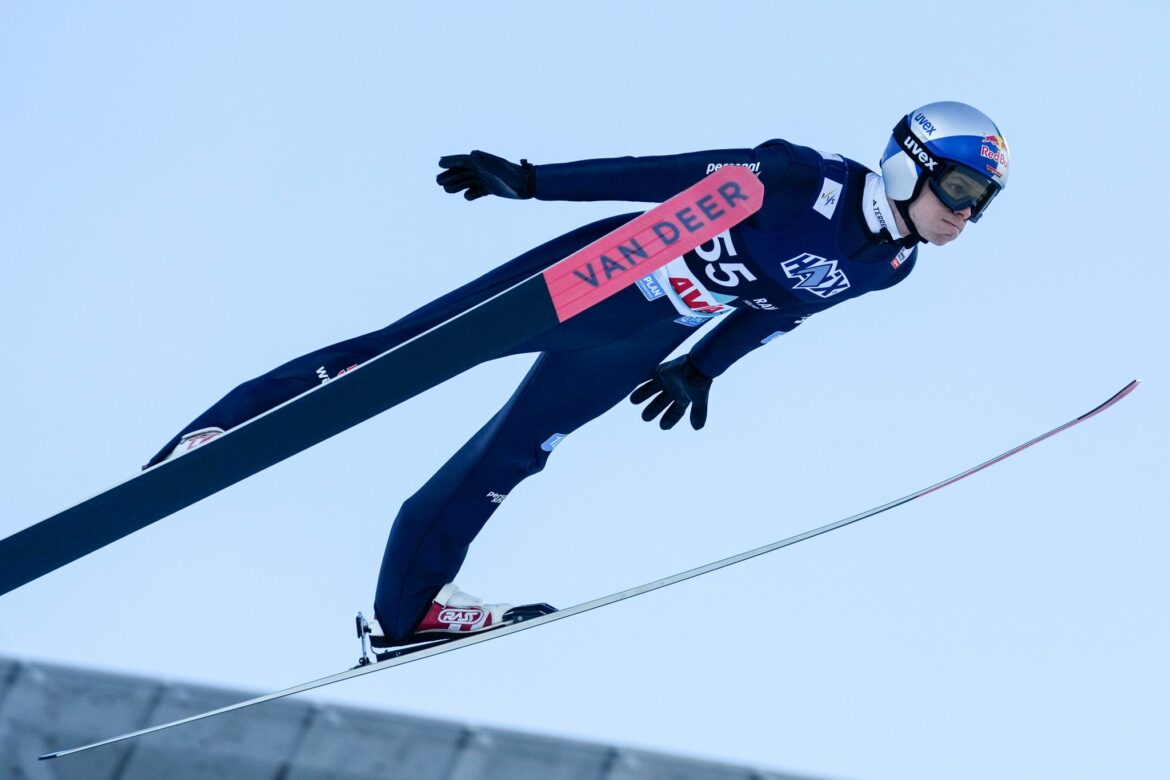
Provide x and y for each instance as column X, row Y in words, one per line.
column 827, row 201
column 817, row 275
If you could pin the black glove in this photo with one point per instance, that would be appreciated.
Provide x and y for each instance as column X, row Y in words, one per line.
column 482, row 174
column 678, row 385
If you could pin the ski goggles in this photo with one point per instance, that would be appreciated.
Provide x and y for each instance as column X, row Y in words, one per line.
column 960, row 187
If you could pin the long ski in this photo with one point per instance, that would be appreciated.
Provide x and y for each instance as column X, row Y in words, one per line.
column 483, row 326
column 407, row 655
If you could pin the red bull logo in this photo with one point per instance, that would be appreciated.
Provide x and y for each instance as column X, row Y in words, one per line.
column 995, row 148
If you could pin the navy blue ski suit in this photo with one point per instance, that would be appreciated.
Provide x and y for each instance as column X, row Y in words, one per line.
column 822, row 236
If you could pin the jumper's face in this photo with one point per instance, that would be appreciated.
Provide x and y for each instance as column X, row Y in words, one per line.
column 935, row 222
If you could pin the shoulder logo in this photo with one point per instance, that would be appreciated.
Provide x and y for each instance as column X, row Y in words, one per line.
column 827, row 201
column 819, row 276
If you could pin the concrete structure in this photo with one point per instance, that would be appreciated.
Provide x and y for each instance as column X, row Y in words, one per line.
column 45, row 708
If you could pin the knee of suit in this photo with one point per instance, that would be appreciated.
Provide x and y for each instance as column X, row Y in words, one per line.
column 506, row 473
column 252, row 391
column 537, row 463
column 510, row 470
column 263, row 393
column 528, row 459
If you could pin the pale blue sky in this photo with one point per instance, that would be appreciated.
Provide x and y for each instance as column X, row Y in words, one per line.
column 192, row 196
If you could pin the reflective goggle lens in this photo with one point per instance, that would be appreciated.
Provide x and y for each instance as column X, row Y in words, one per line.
column 960, row 188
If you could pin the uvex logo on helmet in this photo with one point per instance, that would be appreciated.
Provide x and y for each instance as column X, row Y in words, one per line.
column 918, row 151
column 922, row 121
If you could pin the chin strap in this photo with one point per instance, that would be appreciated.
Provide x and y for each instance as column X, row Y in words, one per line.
column 882, row 215
column 912, row 236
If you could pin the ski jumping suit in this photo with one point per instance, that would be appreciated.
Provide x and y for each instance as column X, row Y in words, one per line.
column 825, row 234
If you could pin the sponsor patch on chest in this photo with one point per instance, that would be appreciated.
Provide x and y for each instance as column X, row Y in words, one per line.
column 690, row 296
column 816, row 274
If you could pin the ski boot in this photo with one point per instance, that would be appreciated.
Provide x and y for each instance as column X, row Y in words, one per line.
column 452, row 614
column 193, row 440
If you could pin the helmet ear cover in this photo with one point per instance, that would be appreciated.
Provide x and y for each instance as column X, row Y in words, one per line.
column 903, row 207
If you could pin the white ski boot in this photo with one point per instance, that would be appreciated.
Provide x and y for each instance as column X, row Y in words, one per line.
column 193, row 440
column 452, row 614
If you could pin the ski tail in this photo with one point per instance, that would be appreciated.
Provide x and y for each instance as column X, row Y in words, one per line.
column 436, row 345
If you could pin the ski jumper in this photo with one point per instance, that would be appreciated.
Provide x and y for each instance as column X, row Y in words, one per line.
column 825, row 234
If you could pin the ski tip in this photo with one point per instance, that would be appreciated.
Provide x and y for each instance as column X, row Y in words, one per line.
column 47, row 756
column 1122, row 393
